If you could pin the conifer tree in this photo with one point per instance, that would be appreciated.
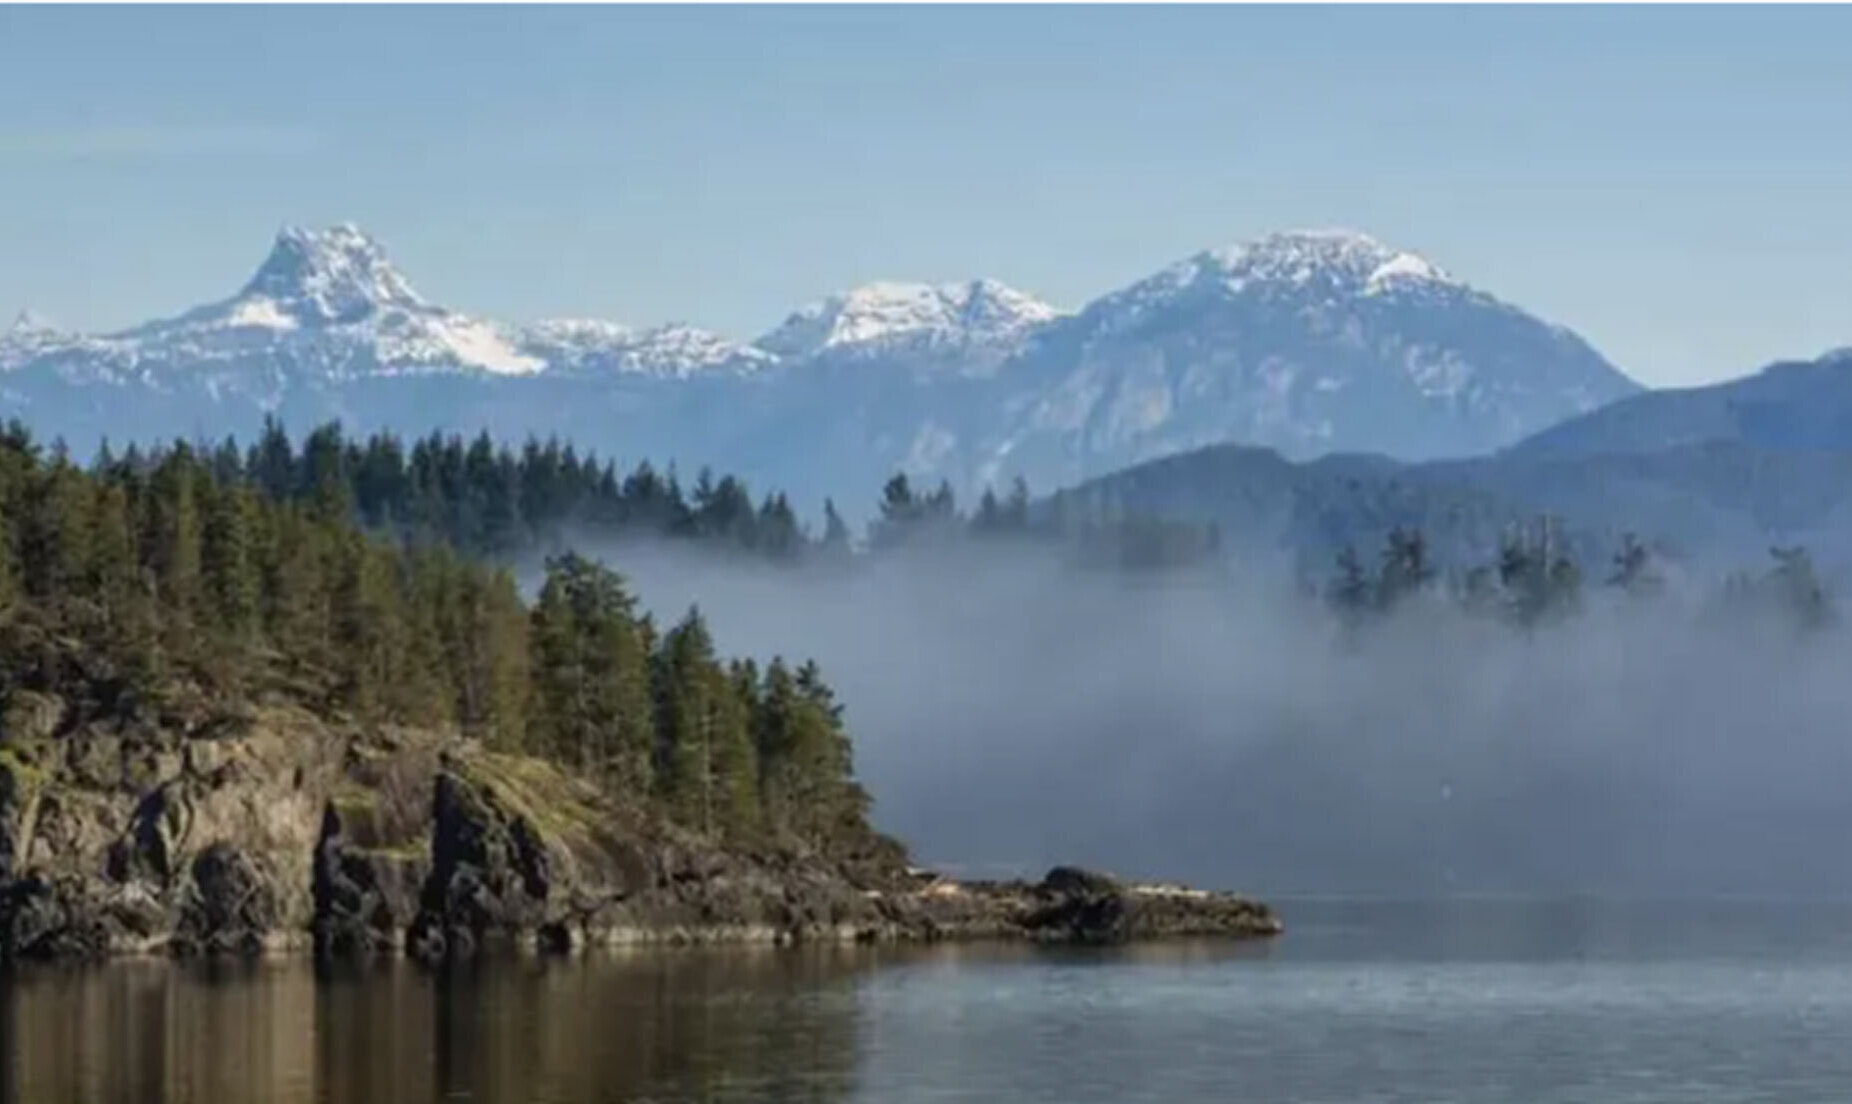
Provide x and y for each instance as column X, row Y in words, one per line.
column 691, row 694
column 171, row 535
column 1633, row 570
column 591, row 674
column 835, row 546
column 736, row 757
column 226, row 560
column 776, row 726
column 1351, row 592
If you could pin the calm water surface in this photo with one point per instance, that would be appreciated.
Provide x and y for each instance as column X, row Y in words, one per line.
column 1482, row 1003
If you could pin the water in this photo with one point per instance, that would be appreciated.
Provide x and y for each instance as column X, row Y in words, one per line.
column 1482, row 1003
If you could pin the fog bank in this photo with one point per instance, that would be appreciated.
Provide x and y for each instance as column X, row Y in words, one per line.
column 1009, row 714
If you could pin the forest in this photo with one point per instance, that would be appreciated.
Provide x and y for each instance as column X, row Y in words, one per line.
column 149, row 582
column 491, row 502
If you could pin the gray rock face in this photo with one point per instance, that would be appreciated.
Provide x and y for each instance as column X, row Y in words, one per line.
column 236, row 834
column 363, row 899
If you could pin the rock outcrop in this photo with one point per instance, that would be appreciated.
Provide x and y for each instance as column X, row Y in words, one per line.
column 265, row 828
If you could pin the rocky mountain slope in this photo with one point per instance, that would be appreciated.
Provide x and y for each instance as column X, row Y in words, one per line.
column 1307, row 343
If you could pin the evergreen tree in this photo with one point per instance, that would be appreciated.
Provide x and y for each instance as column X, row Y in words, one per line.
column 591, row 674
column 490, row 660
column 227, row 567
column 835, row 544
column 776, row 732
column 691, row 693
column 1406, row 570
column 736, row 760
column 272, row 462
column 988, row 520
column 171, row 536
column 1540, row 579
column 367, row 625
column 900, row 513
column 1633, row 570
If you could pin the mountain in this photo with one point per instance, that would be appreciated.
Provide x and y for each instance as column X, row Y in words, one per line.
column 1713, row 506
column 970, row 327
column 1788, row 405
column 1307, row 343
column 590, row 347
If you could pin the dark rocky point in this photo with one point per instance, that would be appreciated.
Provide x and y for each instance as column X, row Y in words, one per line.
column 273, row 828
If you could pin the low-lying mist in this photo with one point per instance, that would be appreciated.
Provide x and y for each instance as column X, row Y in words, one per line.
column 1009, row 714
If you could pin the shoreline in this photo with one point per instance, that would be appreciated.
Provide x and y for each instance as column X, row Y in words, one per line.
column 292, row 835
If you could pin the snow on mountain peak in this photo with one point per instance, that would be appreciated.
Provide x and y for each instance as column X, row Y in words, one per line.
column 329, row 298
column 980, row 311
column 317, row 277
column 30, row 323
column 30, row 334
column 675, row 351
column 1327, row 264
column 1340, row 259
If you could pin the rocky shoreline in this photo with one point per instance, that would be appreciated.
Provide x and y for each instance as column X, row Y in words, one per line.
column 270, row 828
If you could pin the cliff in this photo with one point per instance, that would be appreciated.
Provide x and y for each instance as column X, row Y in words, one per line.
column 236, row 829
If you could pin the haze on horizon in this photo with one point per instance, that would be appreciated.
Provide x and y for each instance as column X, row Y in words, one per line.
column 1664, row 181
column 1009, row 714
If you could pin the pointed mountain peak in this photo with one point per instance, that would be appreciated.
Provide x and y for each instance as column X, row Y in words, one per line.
column 339, row 274
column 973, row 311
column 30, row 323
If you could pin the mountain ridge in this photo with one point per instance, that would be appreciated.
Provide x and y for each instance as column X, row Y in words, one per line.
column 1786, row 405
column 1306, row 341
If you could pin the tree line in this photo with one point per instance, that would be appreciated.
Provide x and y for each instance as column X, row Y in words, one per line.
column 1535, row 580
column 353, row 585
column 490, row 501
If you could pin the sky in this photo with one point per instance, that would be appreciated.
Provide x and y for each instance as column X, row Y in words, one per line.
column 1673, row 183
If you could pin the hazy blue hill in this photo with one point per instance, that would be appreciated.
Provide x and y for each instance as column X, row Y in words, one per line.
column 1722, row 501
column 1788, row 405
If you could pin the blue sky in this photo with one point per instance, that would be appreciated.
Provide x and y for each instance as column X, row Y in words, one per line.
column 1674, row 183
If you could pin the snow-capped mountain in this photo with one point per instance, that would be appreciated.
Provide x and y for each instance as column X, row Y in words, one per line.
column 675, row 351
column 325, row 307
column 885, row 316
column 1307, row 342
column 30, row 334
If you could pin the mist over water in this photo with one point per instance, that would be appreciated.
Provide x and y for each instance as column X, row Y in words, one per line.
column 1009, row 713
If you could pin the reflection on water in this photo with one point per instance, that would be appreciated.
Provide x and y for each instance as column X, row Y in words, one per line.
column 1366, row 1003
column 745, row 1025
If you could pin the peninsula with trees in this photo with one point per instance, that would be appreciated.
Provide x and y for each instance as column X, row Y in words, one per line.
column 279, row 695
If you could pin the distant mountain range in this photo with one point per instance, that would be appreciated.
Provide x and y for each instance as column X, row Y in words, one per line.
column 1308, row 343
column 1715, row 475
